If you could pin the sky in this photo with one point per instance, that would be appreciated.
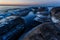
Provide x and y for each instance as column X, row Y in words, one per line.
column 27, row 1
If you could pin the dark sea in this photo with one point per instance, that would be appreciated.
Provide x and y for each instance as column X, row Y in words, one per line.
column 10, row 7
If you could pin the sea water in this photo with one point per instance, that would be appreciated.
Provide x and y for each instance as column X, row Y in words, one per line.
column 10, row 7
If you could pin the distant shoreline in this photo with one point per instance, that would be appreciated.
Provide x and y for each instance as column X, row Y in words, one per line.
column 41, row 5
column 14, row 5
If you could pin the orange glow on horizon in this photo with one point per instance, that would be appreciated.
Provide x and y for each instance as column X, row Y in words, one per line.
column 10, row 3
column 18, row 3
column 24, row 3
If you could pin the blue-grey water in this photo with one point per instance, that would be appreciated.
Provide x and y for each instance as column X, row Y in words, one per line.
column 3, row 8
column 10, row 7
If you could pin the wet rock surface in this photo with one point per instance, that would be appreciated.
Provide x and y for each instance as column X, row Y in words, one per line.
column 34, row 23
column 46, row 31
